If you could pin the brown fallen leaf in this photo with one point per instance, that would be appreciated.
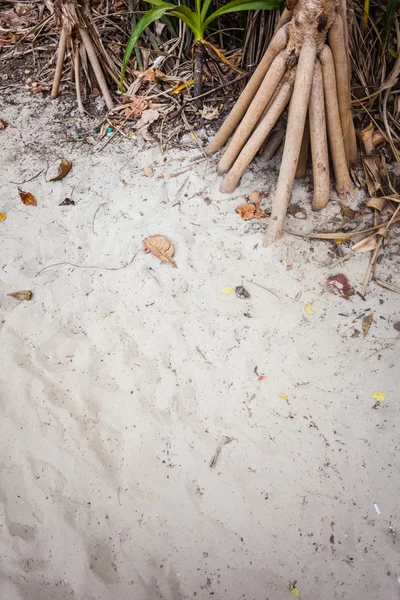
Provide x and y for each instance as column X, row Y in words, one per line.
column 3, row 217
column 367, row 322
column 255, row 198
column 3, row 124
column 137, row 105
column 297, row 211
column 355, row 333
column 161, row 248
column 339, row 284
column 348, row 213
column 250, row 211
column 27, row 198
column 148, row 171
column 22, row 295
column 63, row 170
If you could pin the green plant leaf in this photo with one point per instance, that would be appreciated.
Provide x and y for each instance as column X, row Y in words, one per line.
column 240, row 5
column 391, row 7
column 147, row 19
column 204, row 10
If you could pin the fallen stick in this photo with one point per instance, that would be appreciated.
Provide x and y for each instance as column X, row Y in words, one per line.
column 223, row 442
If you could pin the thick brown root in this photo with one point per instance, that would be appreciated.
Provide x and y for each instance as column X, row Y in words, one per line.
column 277, row 44
column 340, row 59
column 319, row 142
column 284, row 18
column 273, row 142
column 256, row 108
column 60, row 62
column 303, row 156
column 77, row 68
column 259, row 136
column 87, row 42
column 294, row 135
column 336, row 144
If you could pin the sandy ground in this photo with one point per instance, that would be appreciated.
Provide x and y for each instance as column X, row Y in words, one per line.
column 118, row 385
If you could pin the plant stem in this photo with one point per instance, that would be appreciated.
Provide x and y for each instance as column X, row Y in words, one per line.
column 198, row 71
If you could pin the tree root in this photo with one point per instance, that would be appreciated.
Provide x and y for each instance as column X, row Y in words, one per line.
column 75, row 18
column 301, row 68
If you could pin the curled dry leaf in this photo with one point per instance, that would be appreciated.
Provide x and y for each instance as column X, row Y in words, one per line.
column 297, row 211
column 255, row 198
column 250, row 211
column 148, row 117
column 161, row 248
column 209, row 113
column 63, row 169
column 135, row 108
column 3, row 217
column 369, row 243
column 339, row 284
column 367, row 322
column 67, row 202
column 148, row 171
column 27, row 198
column 3, row 124
column 377, row 202
column 22, row 295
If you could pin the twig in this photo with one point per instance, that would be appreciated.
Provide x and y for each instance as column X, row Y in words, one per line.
column 340, row 235
column 202, row 355
column 264, row 288
column 94, row 216
column 60, row 62
column 388, row 285
column 339, row 260
column 88, row 266
column 223, row 442
column 26, row 181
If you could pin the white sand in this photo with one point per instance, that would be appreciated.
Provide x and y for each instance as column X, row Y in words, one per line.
column 117, row 386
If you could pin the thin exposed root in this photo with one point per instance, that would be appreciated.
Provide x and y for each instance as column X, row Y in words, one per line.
column 319, row 142
column 343, row 182
column 254, row 112
column 303, row 156
column 90, row 50
column 77, row 66
column 294, row 135
column 258, row 137
column 277, row 45
column 60, row 62
column 340, row 59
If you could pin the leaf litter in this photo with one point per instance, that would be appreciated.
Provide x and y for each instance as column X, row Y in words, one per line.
column 160, row 247
column 27, row 198
column 63, row 169
column 21, row 295
column 339, row 284
column 367, row 322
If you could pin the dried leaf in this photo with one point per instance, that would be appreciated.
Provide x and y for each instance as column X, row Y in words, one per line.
column 367, row 322
column 63, row 170
column 148, row 171
column 209, row 113
column 378, row 396
column 22, row 295
column 136, row 106
column 308, row 308
column 377, row 203
column 348, row 213
column 369, row 243
column 294, row 591
column 297, row 211
column 356, row 333
column 228, row 290
column 255, row 198
column 3, row 217
column 67, row 202
column 241, row 292
column 339, row 284
column 250, row 211
column 27, row 198
column 148, row 117
column 397, row 325
column 161, row 248
column 3, row 124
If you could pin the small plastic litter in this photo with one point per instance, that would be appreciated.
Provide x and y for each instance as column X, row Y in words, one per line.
column 378, row 510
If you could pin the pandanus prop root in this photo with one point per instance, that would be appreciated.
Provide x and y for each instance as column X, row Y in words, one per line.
column 306, row 67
